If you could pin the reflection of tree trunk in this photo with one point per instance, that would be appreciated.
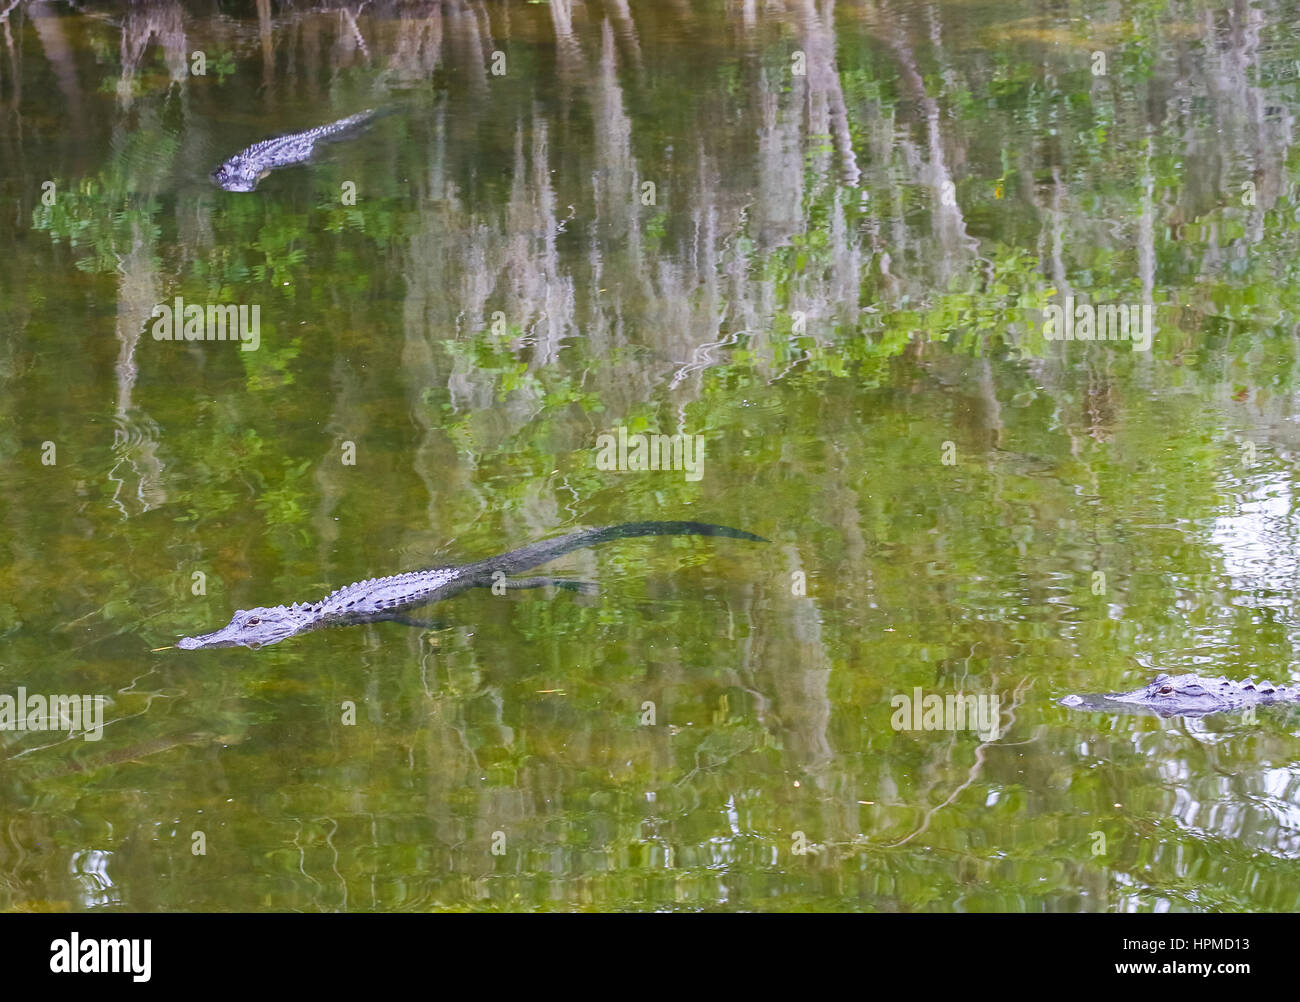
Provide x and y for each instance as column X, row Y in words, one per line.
column 54, row 43
column 568, row 54
column 626, row 28
column 1056, row 226
column 949, row 226
column 450, row 766
column 827, row 114
column 144, row 21
column 352, row 33
column 777, row 213
column 347, row 423
column 1146, row 242
column 467, row 40
column 1051, row 242
column 265, row 32
column 615, row 177
column 15, row 97
column 427, row 315
column 311, row 39
column 990, row 410
column 12, row 134
column 135, row 436
column 801, row 686
column 531, row 262
column 419, row 45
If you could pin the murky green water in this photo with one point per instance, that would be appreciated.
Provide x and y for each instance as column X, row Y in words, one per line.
column 820, row 236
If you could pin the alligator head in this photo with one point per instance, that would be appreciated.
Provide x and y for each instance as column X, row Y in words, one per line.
column 238, row 174
column 254, row 628
column 1185, row 696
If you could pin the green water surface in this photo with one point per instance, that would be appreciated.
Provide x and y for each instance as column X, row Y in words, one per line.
column 818, row 235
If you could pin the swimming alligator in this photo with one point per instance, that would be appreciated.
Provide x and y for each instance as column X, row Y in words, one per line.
column 387, row 599
column 1187, row 696
column 242, row 171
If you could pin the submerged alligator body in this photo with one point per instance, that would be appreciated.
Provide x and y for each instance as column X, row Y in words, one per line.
column 387, row 599
column 242, row 171
column 1187, row 696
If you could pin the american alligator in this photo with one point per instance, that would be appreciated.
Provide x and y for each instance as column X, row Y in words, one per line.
column 242, row 171
column 387, row 599
column 1187, row 696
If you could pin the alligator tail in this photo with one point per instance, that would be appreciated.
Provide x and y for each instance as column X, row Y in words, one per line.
column 357, row 121
column 527, row 557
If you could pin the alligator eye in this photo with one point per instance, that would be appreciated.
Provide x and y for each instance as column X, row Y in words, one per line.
column 252, row 622
column 1165, row 690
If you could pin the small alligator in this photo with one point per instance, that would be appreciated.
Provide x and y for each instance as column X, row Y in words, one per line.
column 242, row 171
column 387, row 599
column 1187, row 696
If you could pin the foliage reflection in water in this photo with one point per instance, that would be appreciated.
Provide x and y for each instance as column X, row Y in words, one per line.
column 821, row 239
